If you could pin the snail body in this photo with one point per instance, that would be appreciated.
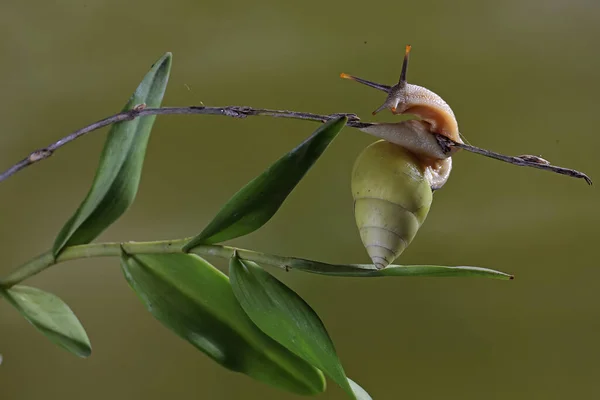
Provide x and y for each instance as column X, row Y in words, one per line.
column 393, row 179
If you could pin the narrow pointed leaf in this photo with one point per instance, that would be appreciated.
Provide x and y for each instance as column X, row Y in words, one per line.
column 441, row 271
column 254, row 205
column 369, row 270
column 119, row 171
column 194, row 300
column 51, row 316
column 286, row 317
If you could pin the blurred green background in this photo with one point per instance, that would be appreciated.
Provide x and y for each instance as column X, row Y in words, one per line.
column 522, row 78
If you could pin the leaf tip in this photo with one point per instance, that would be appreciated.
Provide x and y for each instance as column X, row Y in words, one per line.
column 84, row 352
column 165, row 58
column 341, row 119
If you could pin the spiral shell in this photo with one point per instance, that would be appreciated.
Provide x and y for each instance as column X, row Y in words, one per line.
column 392, row 195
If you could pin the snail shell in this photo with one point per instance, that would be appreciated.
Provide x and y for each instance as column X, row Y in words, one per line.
column 392, row 195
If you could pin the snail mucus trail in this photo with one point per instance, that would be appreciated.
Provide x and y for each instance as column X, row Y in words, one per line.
column 393, row 179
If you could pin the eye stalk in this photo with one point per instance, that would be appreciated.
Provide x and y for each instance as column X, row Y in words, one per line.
column 394, row 92
column 378, row 86
column 402, row 80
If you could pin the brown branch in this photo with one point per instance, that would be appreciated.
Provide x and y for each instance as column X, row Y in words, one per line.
column 523, row 161
column 243, row 112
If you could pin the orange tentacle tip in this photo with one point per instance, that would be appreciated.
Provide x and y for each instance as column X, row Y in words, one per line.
column 345, row 76
column 407, row 49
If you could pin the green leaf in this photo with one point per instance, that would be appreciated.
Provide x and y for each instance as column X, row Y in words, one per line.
column 369, row 270
column 254, row 205
column 286, row 317
column 441, row 271
column 51, row 316
column 118, row 175
column 194, row 299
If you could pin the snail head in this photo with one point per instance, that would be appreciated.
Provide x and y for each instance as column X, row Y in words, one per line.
column 406, row 98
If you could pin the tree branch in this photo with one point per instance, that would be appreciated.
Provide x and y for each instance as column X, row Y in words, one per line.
column 243, row 112
column 523, row 161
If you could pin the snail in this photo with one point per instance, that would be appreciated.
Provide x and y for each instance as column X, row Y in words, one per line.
column 393, row 179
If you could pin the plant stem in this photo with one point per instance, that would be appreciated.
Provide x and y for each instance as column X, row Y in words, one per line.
column 243, row 112
column 45, row 260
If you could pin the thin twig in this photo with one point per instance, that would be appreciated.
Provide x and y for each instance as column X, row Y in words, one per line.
column 523, row 161
column 230, row 111
column 243, row 112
